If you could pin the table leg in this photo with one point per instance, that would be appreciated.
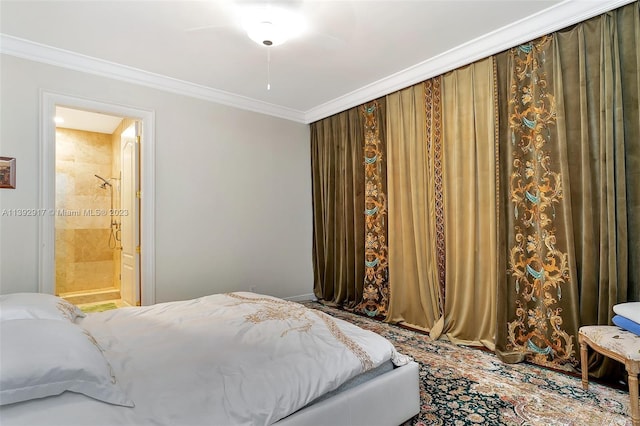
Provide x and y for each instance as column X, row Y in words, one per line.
column 633, row 370
column 584, row 365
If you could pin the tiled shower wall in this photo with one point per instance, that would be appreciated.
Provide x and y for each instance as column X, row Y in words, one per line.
column 84, row 261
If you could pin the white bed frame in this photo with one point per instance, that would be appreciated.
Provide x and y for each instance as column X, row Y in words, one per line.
column 386, row 400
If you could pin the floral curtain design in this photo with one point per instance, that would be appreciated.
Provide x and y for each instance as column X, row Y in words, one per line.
column 537, row 263
column 375, row 298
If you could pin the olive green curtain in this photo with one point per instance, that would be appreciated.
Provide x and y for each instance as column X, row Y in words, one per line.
column 469, row 185
column 598, row 61
column 569, row 156
column 413, row 274
column 337, row 144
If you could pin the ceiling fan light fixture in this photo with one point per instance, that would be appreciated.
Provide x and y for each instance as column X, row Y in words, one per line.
column 267, row 33
column 272, row 26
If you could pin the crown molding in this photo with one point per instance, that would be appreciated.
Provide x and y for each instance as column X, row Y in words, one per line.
column 566, row 13
column 38, row 52
column 555, row 18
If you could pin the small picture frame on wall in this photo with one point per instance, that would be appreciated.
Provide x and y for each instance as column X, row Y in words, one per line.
column 7, row 172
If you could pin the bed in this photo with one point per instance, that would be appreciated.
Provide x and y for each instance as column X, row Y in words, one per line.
column 225, row 359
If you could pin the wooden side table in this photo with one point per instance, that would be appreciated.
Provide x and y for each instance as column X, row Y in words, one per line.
column 616, row 343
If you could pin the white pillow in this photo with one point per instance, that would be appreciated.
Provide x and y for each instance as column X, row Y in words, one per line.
column 629, row 310
column 37, row 306
column 47, row 357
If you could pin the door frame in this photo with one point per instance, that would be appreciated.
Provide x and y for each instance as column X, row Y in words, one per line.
column 46, row 231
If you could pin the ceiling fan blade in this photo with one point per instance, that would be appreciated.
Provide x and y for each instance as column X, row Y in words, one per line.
column 329, row 30
column 205, row 27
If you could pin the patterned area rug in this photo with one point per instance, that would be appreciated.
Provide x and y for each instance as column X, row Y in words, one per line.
column 465, row 386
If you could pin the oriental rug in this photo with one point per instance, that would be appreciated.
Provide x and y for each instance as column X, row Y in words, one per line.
column 461, row 385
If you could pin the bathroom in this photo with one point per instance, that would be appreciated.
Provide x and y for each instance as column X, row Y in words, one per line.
column 91, row 226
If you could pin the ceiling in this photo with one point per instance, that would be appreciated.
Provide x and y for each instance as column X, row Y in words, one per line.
column 86, row 120
column 351, row 51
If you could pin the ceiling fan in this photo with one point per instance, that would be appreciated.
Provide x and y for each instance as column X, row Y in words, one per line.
column 271, row 23
column 267, row 23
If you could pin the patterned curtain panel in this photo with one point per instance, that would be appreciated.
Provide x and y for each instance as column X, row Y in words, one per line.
column 337, row 146
column 413, row 269
column 375, row 298
column 569, row 154
column 433, row 134
column 469, row 186
column 350, row 209
column 541, row 298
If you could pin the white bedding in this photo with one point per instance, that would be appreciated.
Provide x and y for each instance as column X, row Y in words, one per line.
column 227, row 359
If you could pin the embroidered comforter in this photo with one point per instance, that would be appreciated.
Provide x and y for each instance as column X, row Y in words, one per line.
column 227, row 359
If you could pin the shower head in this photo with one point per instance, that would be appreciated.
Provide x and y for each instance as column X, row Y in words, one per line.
column 104, row 185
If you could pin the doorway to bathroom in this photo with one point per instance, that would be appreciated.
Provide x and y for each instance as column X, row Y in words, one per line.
column 49, row 102
column 97, row 208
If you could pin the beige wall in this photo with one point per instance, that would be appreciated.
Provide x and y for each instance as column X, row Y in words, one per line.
column 84, row 260
column 232, row 188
